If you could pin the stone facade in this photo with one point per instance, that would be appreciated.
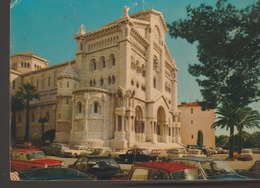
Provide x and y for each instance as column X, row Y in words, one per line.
column 195, row 122
column 120, row 91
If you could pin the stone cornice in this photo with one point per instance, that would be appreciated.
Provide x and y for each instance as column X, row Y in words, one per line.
column 138, row 48
column 13, row 71
column 148, row 12
column 98, row 33
column 91, row 89
column 49, row 68
column 64, row 96
column 157, row 47
column 31, row 55
column 139, row 38
column 168, row 54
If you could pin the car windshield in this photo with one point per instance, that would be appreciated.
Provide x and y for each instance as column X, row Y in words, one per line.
column 187, row 174
column 108, row 161
column 97, row 151
column 78, row 147
column 145, row 151
column 35, row 155
column 216, row 168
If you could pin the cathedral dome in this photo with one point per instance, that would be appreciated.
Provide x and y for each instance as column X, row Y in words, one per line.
column 68, row 72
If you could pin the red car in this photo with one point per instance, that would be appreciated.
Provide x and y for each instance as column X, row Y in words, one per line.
column 160, row 171
column 31, row 158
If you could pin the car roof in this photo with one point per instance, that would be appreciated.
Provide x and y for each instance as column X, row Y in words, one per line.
column 53, row 173
column 96, row 156
column 166, row 166
column 196, row 159
column 27, row 150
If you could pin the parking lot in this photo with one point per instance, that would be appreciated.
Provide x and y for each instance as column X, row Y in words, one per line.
column 233, row 164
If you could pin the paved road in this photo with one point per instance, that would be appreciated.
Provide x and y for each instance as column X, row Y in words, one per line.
column 233, row 164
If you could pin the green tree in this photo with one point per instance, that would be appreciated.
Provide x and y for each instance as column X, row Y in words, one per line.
column 27, row 92
column 255, row 139
column 222, row 140
column 229, row 55
column 248, row 119
column 16, row 105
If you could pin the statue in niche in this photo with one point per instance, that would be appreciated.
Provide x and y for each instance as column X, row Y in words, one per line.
column 120, row 97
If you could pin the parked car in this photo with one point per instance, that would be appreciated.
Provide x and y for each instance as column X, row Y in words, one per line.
column 115, row 154
column 177, row 152
column 25, row 145
column 253, row 172
column 104, row 151
column 143, row 171
column 195, row 153
column 32, row 158
column 52, row 174
column 137, row 155
column 86, row 152
column 75, row 151
column 55, row 148
column 246, row 154
column 211, row 168
column 221, row 150
column 160, row 154
column 103, row 168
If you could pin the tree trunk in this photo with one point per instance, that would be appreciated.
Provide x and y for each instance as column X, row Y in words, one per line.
column 231, row 142
column 27, row 123
column 240, row 142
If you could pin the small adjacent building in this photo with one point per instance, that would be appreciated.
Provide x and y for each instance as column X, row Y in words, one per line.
column 196, row 124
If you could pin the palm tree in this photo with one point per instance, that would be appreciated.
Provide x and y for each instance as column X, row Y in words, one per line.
column 248, row 119
column 27, row 92
column 16, row 105
column 227, row 118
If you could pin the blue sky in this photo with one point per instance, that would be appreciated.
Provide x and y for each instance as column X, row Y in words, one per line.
column 47, row 27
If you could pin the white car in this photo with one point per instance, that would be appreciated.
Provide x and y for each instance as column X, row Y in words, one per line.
column 195, row 153
column 75, row 151
column 246, row 154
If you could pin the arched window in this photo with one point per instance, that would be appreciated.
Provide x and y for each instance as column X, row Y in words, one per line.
column 113, row 79
column 143, row 71
column 96, row 107
column 109, row 80
column 94, row 82
column 79, row 107
column 93, row 64
column 113, row 60
column 81, row 46
column 200, row 138
column 154, row 82
column 155, row 63
column 90, row 83
column 49, row 81
column 101, row 81
column 103, row 62
column 68, row 84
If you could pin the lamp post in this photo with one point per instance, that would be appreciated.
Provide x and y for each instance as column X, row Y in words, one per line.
column 42, row 121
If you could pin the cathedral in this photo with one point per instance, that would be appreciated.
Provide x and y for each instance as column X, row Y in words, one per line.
column 119, row 91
